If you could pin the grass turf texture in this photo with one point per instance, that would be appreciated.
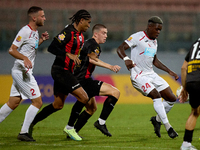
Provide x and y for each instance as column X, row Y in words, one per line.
column 129, row 125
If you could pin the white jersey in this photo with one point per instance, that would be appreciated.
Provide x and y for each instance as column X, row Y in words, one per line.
column 143, row 51
column 27, row 41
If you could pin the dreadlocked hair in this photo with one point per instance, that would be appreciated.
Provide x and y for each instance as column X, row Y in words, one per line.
column 79, row 15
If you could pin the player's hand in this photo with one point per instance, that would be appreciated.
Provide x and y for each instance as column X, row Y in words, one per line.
column 129, row 64
column 45, row 36
column 27, row 63
column 115, row 68
column 183, row 96
column 74, row 58
column 174, row 74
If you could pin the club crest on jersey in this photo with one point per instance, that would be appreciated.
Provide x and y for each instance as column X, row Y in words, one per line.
column 61, row 37
column 19, row 38
column 130, row 38
column 80, row 37
column 96, row 51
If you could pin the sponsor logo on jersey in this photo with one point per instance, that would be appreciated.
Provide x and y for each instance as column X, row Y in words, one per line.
column 150, row 52
column 19, row 38
column 130, row 38
column 61, row 37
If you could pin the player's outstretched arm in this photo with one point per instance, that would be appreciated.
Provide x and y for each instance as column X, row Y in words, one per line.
column 160, row 65
column 100, row 63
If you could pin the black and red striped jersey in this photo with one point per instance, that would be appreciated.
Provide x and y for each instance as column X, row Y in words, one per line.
column 85, row 69
column 69, row 40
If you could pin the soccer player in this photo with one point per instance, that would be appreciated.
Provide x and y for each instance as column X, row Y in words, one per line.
column 24, row 48
column 143, row 46
column 89, row 57
column 190, row 72
column 66, row 46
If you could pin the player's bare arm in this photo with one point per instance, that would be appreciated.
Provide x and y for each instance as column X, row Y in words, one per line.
column 93, row 56
column 74, row 58
column 160, row 65
column 184, row 94
column 44, row 37
column 14, row 52
column 121, row 52
column 100, row 63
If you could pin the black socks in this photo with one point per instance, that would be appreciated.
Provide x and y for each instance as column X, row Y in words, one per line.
column 82, row 120
column 108, row 107
column 44, row 113
column 76, row 109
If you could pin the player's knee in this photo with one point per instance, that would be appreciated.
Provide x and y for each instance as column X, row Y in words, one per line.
column 171, row 98
column 58, row 106
column 91, row 111
column 115, row 93
column 196, row 111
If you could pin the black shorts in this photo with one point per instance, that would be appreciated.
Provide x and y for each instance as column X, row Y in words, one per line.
column 92, row 87
column 64, row 81
column 193, row 89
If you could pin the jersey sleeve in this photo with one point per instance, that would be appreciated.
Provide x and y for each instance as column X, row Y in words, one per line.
column 131, row 41
column 21, row 36
column 94, row 48
column 187, row 57
column 57, row 46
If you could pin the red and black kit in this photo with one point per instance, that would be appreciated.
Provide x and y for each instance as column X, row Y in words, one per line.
column 84, row 71
column 69, row 40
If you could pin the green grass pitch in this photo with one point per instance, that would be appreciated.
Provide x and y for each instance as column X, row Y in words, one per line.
column 128, row 123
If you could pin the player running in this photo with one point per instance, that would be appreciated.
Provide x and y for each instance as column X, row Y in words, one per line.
column 143, row 46
column 24, row 48
column 66, row 46
column 89, row 57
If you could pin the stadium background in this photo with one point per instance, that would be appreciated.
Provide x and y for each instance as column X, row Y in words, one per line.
column 122, row 18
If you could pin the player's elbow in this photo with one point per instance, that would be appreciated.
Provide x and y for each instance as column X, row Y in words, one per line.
column 10, row 51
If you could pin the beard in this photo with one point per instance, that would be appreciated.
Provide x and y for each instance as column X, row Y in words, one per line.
column 39, row 23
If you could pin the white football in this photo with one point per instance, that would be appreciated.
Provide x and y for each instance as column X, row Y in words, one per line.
column 178, row 92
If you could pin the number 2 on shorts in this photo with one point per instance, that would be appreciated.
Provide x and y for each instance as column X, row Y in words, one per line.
column 33, row 92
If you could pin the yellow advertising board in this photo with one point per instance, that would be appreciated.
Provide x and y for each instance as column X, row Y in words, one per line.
column 128, row 94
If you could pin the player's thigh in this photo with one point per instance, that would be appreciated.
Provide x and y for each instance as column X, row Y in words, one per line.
column 143, row 84
column 81, row 95
column 59, row 100
column 168, row 95
column 159, row 83
column 26, row 85
column 91, row 106
column 108, row 89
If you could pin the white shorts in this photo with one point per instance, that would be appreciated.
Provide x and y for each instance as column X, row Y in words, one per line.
column 146, row 83
column 24, row 85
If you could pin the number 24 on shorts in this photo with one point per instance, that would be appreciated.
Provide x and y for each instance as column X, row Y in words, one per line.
column 144, row 87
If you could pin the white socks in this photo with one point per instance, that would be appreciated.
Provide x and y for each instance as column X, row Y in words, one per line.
column 29, row 116
column 168, row 106
column 159, row 108
column 101, row 121
column 4, row 112
column 186, row 144
column 69, row 127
